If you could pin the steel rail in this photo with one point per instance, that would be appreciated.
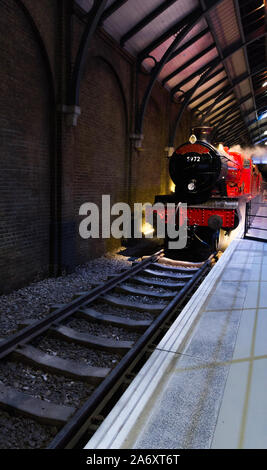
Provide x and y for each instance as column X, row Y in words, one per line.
column 72, row 432
column 40, row 326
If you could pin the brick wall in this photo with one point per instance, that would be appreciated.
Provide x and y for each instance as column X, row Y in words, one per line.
column 101, row 163
column 96, row 156
column 25, row 153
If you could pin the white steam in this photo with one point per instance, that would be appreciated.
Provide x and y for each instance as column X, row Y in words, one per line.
column 257, row 151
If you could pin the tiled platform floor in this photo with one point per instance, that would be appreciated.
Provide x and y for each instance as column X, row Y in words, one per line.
column 210, row 390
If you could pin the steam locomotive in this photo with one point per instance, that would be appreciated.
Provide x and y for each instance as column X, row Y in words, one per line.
column 212, row 182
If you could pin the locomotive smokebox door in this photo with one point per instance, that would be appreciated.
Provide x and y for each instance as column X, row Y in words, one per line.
column 195, row 169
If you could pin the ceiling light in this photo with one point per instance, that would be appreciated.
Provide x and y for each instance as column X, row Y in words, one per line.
column 264, row 84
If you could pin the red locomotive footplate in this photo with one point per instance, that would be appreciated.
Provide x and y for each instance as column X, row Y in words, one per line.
column 200, row 216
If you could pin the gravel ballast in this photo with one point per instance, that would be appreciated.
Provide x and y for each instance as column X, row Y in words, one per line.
column 105, row 307
column 103, row 331
column 73, row 351
column 44, row 385
column 35, row 300
column 18, row 432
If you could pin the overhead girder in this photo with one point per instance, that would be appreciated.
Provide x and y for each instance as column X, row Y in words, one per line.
column 146, row 20
column 233, row 135
column 215, row 96
column 233, row 140
column 167, row 34
column 236, row 82
column 233, row 129
column 227, row 124
column 222, row 118
column 112, row 9
column 253, row 121
column 261, row 126
column 245, row 115
column 221, row 97
column 220, row 51
column 214, row 112
column 187, row 44
column 186, row 100
column 204, row 92
column 80, row 61
column 194, row 75
column 227, row 53
column 240, row 25
column 186, row 24
column 237, row 127
column 212, row 64
column 242, row 100
column 188, row 63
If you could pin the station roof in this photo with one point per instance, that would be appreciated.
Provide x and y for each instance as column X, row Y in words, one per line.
column 228, row 38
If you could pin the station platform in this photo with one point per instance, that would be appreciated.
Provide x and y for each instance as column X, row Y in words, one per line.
column 258, row 222
column 205, row 384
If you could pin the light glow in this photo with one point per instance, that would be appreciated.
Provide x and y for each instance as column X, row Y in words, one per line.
column 263, row 116
column 192, row 139
column 172, row 187
column 147, row 229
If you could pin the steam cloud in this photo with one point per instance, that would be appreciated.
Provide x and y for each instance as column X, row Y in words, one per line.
column 250, row 152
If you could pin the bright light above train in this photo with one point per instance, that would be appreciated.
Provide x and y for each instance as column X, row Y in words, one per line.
column 263, row 116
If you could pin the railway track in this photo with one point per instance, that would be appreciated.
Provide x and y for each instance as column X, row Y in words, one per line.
column 136, row 306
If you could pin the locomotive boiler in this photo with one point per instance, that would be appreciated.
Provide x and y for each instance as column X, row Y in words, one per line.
column 213, row 182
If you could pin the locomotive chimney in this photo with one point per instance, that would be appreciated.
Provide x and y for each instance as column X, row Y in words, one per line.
column 203, row 133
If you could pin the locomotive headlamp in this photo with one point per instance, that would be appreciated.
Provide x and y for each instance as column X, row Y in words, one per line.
column 192, row 139
column 192, row 185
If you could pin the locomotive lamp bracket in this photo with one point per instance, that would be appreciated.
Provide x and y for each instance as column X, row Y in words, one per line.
column 169, row 151
column 137, row 139
column 72, row 113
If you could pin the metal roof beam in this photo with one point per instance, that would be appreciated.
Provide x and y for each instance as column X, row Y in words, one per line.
column 261, row 126
column 81, row 57
column 194, row 75
column 188, row 63
column 187, row 98
column 221, row 53
column 232, row 137
column 187, row 24
column 146, row 20
column 112, row 9
column 228, row 52
column 229, row 123
column 240, row 25
column 187, row 44
column 216, row 130
column 236, row 81
column 232, row 129
column 223, row 114
column 237, row 106
column 232, row 134
column 207, row 90
column 215, row 111
column 218, row 96
column 176, row 28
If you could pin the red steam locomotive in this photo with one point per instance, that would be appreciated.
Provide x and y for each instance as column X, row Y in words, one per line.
column 212, row 182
